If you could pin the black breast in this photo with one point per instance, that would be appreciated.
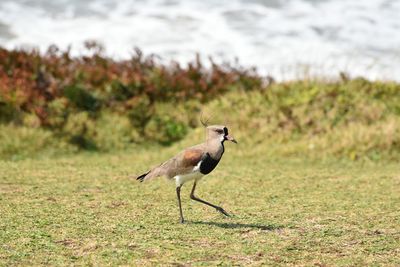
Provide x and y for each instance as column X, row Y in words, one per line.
column 208, row 164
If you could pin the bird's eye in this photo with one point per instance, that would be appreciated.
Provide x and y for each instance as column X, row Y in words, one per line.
column 220, row 131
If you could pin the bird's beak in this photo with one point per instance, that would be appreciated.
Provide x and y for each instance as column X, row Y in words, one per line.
column 230, row 138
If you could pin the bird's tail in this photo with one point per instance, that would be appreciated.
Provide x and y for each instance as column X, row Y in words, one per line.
column 141, row 177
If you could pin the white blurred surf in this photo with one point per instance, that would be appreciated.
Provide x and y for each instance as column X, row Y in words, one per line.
column 286, row 39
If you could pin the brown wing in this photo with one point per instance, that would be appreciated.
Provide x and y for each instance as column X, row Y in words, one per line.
column 184, row 162
column 191, row 157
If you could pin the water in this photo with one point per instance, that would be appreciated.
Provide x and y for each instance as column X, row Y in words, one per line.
column 283, row 38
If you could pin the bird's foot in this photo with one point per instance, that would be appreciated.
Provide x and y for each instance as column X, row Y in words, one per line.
column 222, row 211
column 182, row 220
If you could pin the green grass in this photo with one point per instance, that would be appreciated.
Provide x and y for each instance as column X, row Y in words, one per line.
column 84, row 210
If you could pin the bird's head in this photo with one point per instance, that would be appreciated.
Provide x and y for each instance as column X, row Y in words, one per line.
column 219, row 132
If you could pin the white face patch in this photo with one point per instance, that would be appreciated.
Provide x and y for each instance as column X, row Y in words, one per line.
column 222, row 138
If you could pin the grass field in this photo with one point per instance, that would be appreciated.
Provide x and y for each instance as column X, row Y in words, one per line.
column 85, row 210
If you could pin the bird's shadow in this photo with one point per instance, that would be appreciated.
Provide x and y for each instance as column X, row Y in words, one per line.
column 267, row 227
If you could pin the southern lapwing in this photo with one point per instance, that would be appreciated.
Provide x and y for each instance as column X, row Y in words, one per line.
column 193, row 163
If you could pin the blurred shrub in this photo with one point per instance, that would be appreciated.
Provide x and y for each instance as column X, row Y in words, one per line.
column 68, row 94
column 353, row 119
column 57, row 112
column 8, row 112
column 21, row 141
column 139, row 111
column 168, row 124
column 80, row 130
column 96, row 103
column 114, row 132
column 81, row 98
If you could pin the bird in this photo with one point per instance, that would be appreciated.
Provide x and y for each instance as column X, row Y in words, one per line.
column 193, row 163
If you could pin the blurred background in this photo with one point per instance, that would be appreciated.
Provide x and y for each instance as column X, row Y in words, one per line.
column 314, row 78
column 286, row 39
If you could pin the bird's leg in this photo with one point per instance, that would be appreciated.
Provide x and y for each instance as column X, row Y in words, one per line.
column 178, row 193
column 192, row 196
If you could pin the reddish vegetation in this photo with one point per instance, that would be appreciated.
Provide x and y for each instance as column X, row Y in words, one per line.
column 30, row 81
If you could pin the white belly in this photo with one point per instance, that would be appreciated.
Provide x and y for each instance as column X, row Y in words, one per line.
column 181, row 179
